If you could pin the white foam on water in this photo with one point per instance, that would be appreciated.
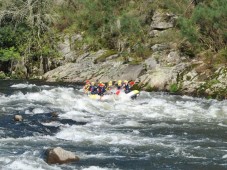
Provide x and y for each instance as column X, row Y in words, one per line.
column 100, row 156
column 4, row 160
column 131, row 123
column 82, row 134
column 115, row 123
column 99, row 168
column 76, row 115
column 27, row 139
column 155, row 107
column 23, row 86
column 53, row 124
column 26, row 162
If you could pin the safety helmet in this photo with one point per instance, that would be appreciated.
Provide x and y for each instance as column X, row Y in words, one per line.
column 87, row 81
column 126, row 81
column 119, row 81
column 93, row 83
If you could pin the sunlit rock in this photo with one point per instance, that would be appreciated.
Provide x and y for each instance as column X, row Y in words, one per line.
column 160, row 47
column 150, row 63
column 60, row 156
column 18, row 118
column 162, row 21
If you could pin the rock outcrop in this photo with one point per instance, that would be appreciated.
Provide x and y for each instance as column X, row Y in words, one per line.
column 60, row 156
column 167, row 69
column 84, row 68
column 162, row 21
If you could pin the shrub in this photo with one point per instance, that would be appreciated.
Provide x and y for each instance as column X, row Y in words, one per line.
column 174, row 88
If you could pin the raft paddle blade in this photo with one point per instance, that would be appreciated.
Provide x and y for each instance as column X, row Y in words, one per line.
column 118, row 92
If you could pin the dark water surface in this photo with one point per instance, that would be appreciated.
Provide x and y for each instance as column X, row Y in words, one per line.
column 156, row 131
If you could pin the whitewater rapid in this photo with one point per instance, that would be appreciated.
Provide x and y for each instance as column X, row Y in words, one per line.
column 156, row 131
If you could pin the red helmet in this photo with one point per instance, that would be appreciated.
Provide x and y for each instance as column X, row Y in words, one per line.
column 101, row 84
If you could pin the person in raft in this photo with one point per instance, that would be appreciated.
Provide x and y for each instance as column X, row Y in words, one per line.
column 110, row 88
column 119, row 85
column 86, row 87
column 93, row 88
column 126, row 87
column 101, row 89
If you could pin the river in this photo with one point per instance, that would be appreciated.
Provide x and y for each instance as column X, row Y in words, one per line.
column 155, row 131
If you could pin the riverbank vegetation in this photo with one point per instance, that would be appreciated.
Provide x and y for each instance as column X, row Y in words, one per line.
column 30, row 30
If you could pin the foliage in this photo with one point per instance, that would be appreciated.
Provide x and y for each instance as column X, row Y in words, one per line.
column 106, row 23
column 9, row 54
column 2, row 75
column 223, row 55
column 26, row 31
column 206, row 27
column 174, row 88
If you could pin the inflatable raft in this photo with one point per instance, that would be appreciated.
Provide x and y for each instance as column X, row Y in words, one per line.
column 119, row 95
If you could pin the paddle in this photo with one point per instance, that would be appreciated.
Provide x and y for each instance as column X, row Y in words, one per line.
column 118, row 92
column 132, row 83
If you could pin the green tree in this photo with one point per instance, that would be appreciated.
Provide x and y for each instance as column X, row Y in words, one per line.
column 207, row 25
column 33, row 20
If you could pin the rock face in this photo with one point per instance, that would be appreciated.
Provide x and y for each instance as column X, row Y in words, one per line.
column 162, row 21
column 85, row 68
column 60, row 156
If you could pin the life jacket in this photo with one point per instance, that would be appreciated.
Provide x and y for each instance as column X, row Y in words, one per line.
column 93, row 89
column 109, row 87
column 119, row 86
column 101, row 89
column 127, row 88
column 86, row 88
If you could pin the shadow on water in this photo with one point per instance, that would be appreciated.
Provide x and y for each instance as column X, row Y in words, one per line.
column 6, row 84
column 32, row 125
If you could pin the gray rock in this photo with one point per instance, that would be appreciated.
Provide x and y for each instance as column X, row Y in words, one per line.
column 173, row 57
column 65, row 49
column 162, row 25
column 150, row 63
column 162, row 21
column 60, row 156
column 156, row 33
column 82, row 57
column 160, row 47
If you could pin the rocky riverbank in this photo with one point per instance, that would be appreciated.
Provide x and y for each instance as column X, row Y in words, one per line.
column 168, row 68
column 165, row 70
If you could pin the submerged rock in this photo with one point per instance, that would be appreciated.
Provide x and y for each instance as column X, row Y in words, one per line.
column 60, row 156
column 54, row 114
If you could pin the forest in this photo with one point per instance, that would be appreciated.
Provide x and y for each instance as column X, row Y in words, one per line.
column 31, row 30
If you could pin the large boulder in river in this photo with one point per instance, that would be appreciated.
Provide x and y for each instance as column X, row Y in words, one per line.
column 60, row 156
